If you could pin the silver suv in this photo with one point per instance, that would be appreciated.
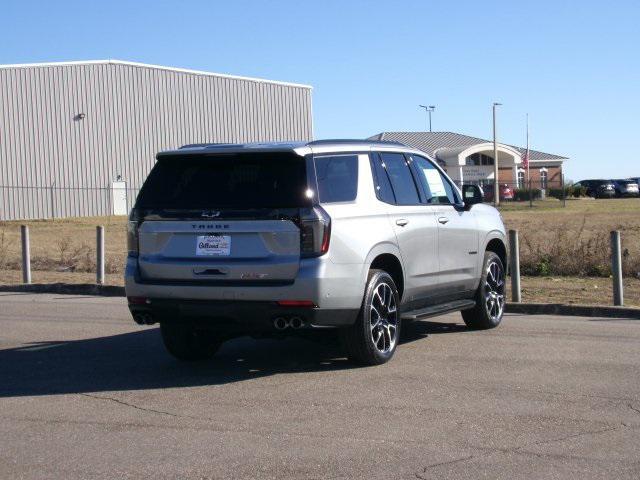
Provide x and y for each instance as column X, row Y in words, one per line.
column 228, row 240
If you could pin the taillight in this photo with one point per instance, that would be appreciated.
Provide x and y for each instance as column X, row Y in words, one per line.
column 315, row 232
column 132, row 234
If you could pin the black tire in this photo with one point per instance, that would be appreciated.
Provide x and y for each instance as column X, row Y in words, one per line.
column 188, row 343
column 358, row 339
column 488, row 311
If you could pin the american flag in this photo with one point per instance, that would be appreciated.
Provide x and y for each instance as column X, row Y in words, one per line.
column 525, row 160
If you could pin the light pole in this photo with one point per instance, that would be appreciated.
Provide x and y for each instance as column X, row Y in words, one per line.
column 496, row 184
column 428, row 109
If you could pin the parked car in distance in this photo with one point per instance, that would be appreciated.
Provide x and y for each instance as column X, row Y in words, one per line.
column 598, row 188
column 279, row 238
column 506, row 192
column 626, row 188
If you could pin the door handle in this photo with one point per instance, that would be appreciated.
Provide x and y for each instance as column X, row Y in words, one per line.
column 401, row 222
column 443, row 220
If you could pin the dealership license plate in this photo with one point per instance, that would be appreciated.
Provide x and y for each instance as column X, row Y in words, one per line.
column 213, row 245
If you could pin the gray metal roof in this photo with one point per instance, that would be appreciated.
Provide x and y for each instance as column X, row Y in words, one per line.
column 429, row 142
column 149, row 66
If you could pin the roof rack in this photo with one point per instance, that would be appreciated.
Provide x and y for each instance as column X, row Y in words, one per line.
column 355, row 140
column 290, row 145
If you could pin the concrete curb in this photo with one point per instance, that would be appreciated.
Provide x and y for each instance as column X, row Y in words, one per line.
column 523, row 308
column 67, row 289
column 575, row 310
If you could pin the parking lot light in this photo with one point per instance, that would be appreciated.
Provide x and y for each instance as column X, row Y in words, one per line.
column 428, row 109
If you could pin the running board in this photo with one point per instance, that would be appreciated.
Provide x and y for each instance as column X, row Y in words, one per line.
column 434, row 310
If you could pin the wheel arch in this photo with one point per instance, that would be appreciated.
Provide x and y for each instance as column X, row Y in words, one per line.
column 496, row 243
column 387, row 257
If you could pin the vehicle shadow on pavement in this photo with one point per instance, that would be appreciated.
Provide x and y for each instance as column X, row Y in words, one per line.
column 417, row 329
column 138, row 361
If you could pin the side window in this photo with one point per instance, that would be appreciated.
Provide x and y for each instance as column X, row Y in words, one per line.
column 404, row 187
column 543, row 179
column 437, row 187
column 384, row 192
column 337, row 177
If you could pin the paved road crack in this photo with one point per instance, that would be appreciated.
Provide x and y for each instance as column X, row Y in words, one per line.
column 637, row 410
column 566, row 437
column 449, row 462
column 518, row 450
column 137, row 407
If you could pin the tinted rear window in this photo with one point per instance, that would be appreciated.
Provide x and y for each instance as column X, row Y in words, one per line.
column 401, row 179
column 384, row 192
column 337, row 177
column 231, row 181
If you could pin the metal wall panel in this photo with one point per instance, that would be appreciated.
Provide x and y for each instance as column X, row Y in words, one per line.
column 55, row 164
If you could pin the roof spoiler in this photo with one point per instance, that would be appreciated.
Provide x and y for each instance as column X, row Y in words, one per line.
column 208, row 144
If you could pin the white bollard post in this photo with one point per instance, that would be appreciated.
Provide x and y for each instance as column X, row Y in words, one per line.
column 616, row 268
column 26, row 254
column 514, row 257
column 100, row 255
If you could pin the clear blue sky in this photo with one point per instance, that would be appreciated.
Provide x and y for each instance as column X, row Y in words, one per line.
column 573, row 66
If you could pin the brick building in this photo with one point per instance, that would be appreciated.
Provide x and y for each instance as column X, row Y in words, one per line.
column 470, row 159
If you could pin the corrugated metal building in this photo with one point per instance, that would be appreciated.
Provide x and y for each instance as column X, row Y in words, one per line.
column 72, row 133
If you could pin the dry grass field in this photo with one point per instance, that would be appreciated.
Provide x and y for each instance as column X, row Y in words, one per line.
column 574, row 241
column 564, row 251
column 64, row 245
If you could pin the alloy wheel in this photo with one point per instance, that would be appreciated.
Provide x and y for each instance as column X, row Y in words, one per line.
column 383, row 318
column 494, row 288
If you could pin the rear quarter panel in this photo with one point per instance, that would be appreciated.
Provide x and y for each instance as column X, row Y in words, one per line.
column 360, row 230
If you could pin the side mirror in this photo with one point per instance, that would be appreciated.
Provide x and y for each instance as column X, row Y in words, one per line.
column 472, row 194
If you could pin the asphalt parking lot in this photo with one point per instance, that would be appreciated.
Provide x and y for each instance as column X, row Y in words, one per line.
column 85, row 393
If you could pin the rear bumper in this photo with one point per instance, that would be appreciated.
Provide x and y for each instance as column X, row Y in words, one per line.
column 336, row 290
column 238, row 317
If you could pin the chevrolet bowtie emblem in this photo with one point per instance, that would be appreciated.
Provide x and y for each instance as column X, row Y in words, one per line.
column 210, row 214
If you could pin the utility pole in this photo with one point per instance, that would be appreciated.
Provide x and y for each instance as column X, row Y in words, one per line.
column 428, row 109
column 496, row 184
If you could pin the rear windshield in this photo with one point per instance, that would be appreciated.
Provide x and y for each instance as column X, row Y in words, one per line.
column 255, row 180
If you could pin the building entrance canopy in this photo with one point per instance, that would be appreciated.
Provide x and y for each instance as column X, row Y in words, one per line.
column 474, row 163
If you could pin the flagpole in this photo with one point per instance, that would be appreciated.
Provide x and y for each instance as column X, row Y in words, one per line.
column 527, row 148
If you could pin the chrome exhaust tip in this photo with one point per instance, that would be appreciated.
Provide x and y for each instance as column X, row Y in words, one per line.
column 296, row 323
column 280, row 323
